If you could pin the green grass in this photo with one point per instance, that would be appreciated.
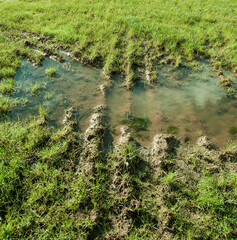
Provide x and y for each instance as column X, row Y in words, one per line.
column 46, row 192
column 35, row 88
column 129, row 33
column 6, row 85
column 51, row 72
column 7, row 104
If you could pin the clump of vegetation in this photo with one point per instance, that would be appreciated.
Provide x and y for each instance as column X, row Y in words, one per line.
column 172, row 130
column 205, row 79
column 48, row 96
column 6, row 85
column 51, row 72
column 35, row 88
column 24, row 101
column 233, row 130
column 136, row 123
column 7, row 104
column 231, row 93
column 226, row 82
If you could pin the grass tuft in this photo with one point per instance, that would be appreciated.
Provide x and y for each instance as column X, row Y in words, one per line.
column 51, row 72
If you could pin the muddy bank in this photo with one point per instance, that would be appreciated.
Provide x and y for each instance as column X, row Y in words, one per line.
column 129, row 161
column 163, row 146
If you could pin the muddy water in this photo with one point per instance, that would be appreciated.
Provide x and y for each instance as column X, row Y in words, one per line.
column 184, row 102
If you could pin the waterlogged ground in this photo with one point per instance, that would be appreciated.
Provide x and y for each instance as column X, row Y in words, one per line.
column 73, row 85
column 184, row 102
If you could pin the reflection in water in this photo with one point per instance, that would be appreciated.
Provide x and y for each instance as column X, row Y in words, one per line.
column 184, row 102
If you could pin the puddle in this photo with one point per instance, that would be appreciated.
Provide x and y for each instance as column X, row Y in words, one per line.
column 184, row 102
column 73, row 85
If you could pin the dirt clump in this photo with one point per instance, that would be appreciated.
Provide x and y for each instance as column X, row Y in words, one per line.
column 228, row 156
column 93, row 140
column 103, row 89
column 126, row 137
column 164, row 145
column 206, row 144
column 68, row 117
column 126, row 203
column 96, row 129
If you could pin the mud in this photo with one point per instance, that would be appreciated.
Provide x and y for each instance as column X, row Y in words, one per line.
column 68, row 117
column 94, row 134
column 126, row 137
column 164, row 145
column 205, row 143
column 125, row 206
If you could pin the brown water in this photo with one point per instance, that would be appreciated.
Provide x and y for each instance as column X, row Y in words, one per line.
column 184, row 102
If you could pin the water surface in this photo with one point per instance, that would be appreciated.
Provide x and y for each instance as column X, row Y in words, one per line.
column 184, row 102
column 74, row 85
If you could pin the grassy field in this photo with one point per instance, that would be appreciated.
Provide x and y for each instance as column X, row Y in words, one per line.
column 45, row 190
column 125, row 34
column 46, row 193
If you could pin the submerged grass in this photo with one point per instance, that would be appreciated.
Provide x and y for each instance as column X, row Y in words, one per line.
column 35, row 88
column 136, row 123
column 172, row 130
column 233, row 130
